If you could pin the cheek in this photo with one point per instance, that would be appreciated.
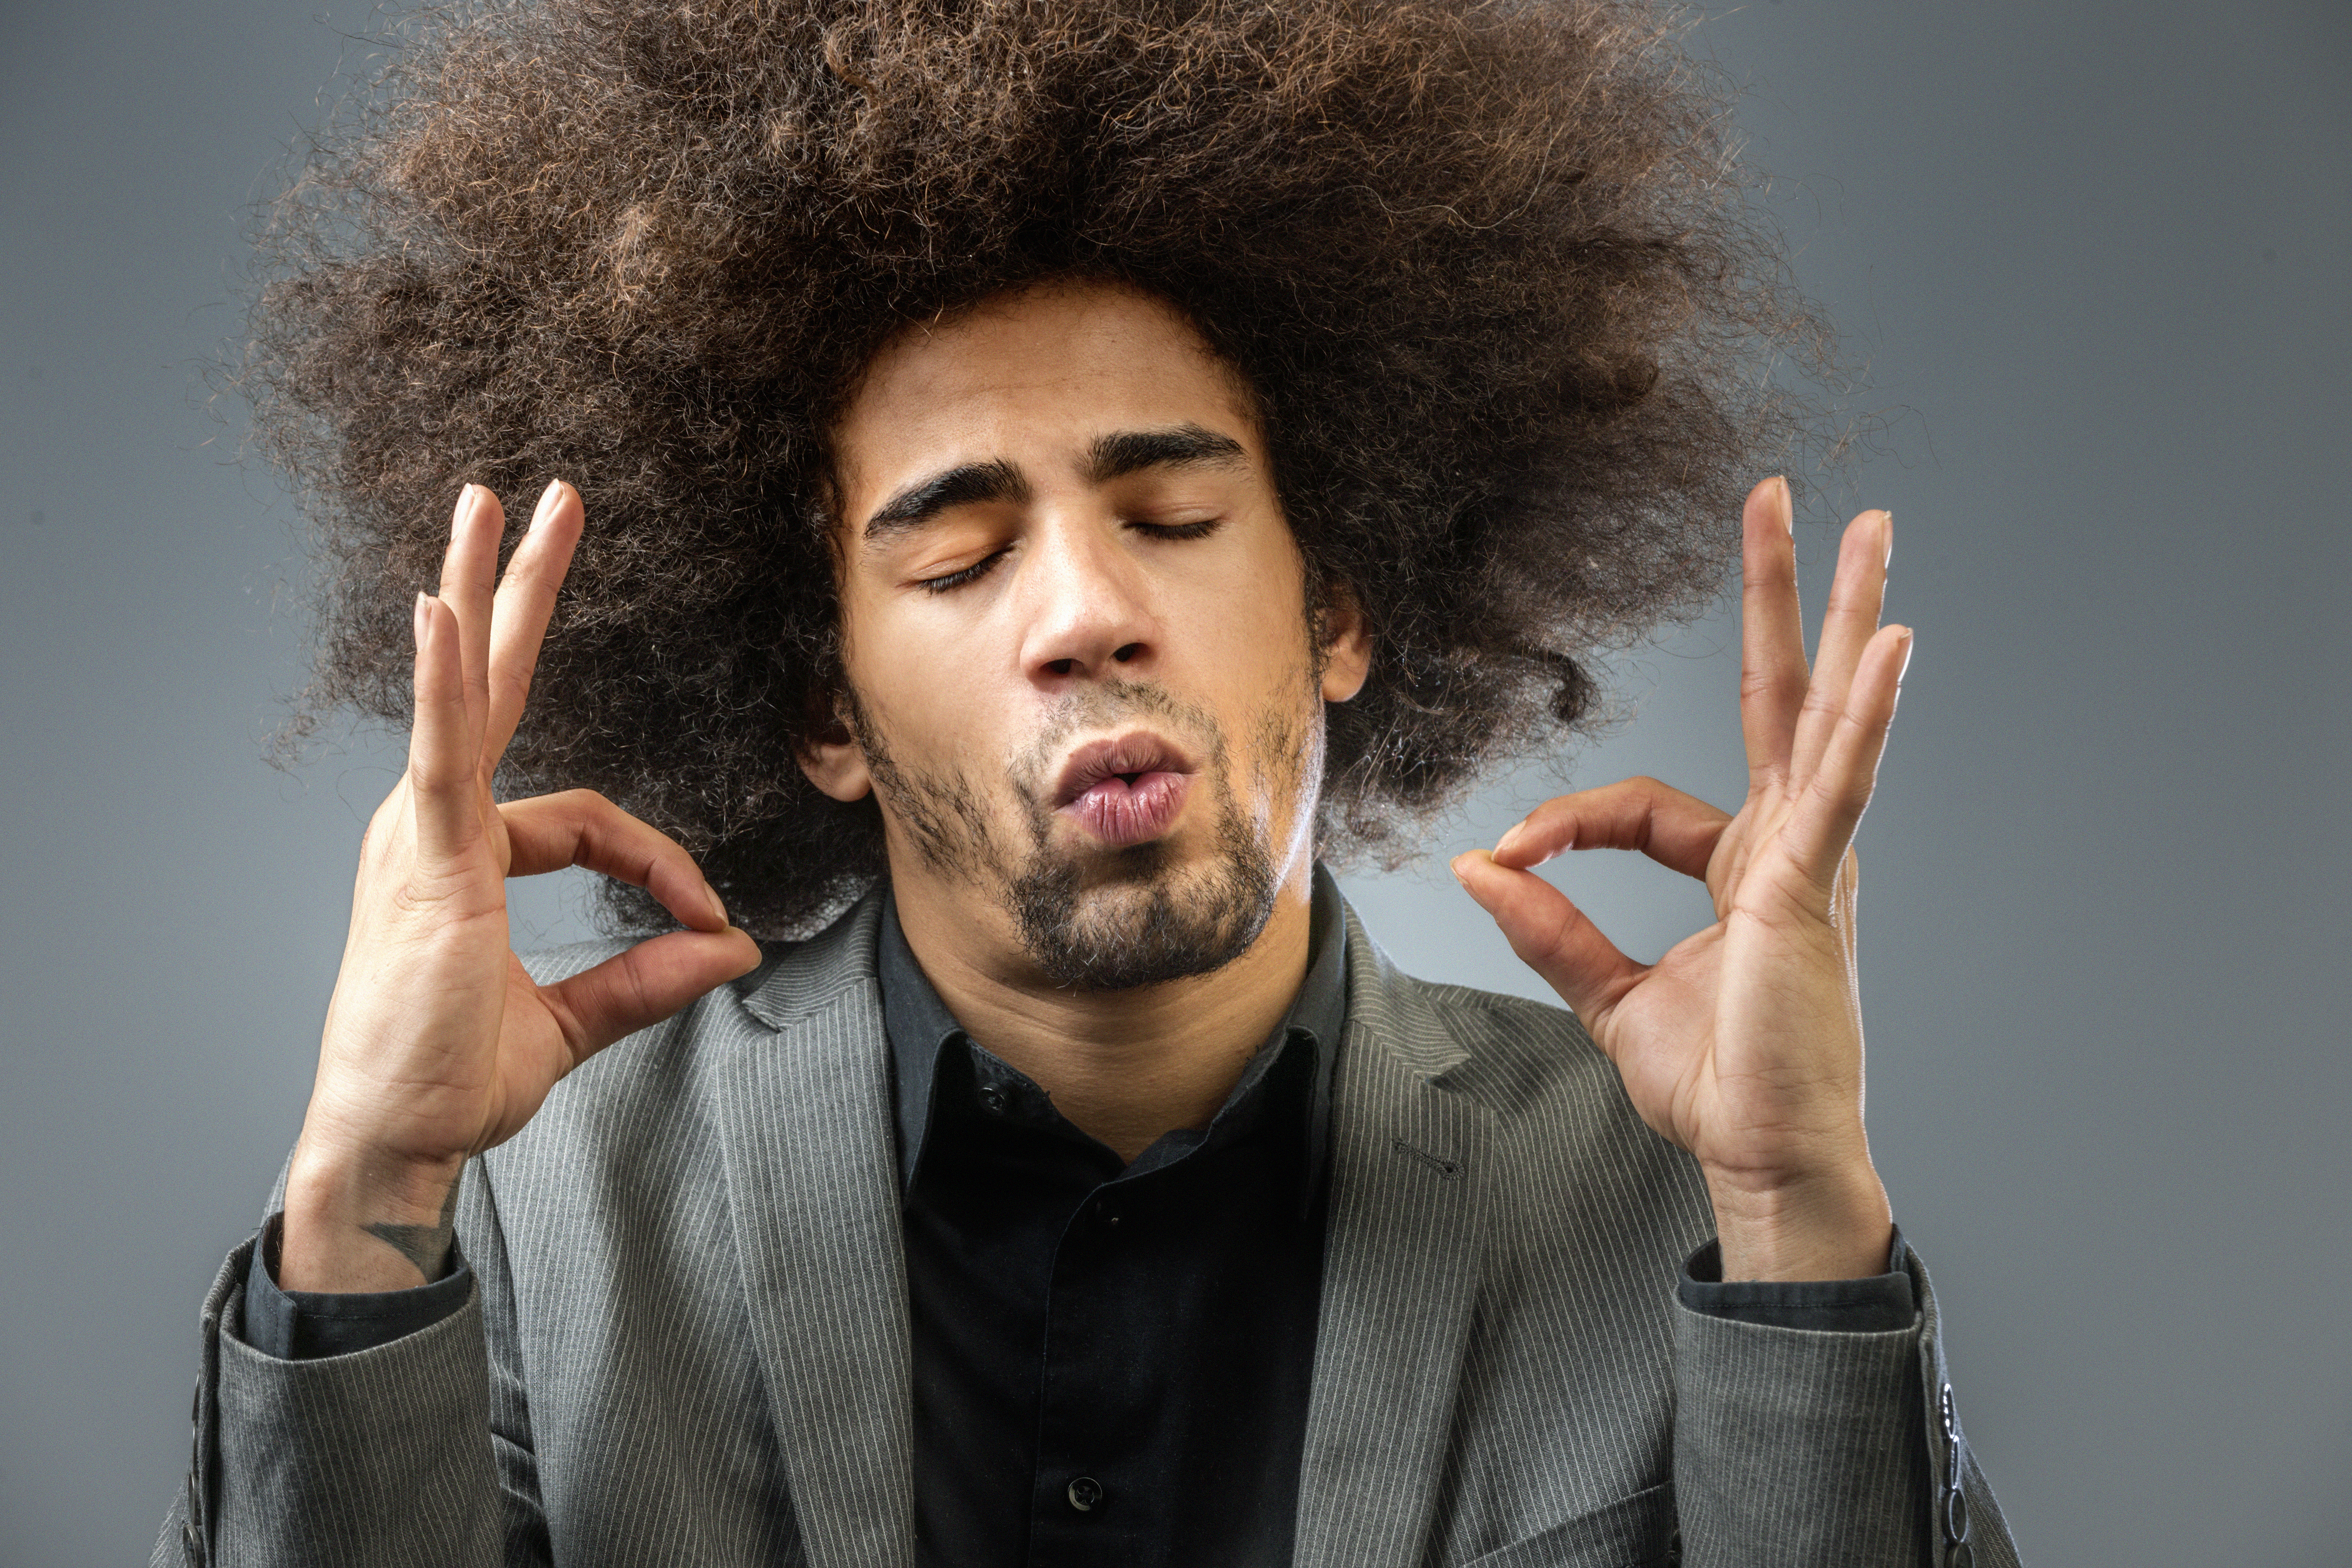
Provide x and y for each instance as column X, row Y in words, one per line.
column 1262, row 670
column 945, row 704
column 1253, row 606
column 898, row 678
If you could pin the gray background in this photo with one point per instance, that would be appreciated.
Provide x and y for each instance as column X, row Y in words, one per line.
column 2094, row 256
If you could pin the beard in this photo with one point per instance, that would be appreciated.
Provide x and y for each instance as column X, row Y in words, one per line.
column 1109, row 920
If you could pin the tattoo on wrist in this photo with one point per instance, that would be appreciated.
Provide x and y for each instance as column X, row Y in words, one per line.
column 425, row 1246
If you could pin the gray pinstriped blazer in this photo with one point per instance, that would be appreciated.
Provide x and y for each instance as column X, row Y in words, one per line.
column 688, row 1342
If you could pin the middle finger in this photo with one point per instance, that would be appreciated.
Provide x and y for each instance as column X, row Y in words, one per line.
column 469, row 572
column 1856, row 597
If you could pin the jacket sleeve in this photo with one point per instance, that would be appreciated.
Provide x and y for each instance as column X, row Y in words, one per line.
column 1803, row 1447
column 416, row 1450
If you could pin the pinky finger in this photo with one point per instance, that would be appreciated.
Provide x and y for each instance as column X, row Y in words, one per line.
column 1822, row 824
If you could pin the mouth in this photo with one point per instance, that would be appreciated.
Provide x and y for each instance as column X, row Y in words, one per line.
column 1123, row 791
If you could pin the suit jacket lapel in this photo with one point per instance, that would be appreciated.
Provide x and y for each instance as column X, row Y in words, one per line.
column 1401, row 1273
column 806, row 1130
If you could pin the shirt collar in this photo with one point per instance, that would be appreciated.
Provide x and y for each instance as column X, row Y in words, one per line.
column 919, row 1027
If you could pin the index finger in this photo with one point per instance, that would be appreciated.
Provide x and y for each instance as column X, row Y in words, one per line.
column 581, row 827
column 1772, row 674
column 525, row 602
column 1678, row 831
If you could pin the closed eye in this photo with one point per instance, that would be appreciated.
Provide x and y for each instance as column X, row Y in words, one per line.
column 1201, row 530
column 948, row 582
column 954, row 580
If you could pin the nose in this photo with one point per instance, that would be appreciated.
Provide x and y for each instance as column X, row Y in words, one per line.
column 1087, row 605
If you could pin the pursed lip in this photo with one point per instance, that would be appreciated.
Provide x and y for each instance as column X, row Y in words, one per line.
column 1137, row 751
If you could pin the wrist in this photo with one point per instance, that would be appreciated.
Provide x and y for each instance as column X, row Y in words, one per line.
column 334, row 1172
column 1831, row 1225
column 364, row 1221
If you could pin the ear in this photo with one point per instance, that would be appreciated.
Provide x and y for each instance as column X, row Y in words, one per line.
column 836, row 762
column 1347, row 646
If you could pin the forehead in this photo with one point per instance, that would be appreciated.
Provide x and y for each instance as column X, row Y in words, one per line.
column 1033, row 378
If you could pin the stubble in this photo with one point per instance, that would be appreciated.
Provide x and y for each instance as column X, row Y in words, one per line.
column 1109, row 920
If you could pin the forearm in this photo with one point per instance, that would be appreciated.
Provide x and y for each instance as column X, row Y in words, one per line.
column 1814, row 1433
column 383, row 1455
column 352, row 1446
column 1798, row 1448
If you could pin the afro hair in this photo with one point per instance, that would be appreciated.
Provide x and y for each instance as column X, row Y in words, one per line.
column 1489, row 268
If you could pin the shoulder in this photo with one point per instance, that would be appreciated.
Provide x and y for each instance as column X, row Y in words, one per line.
column 1519, row 1059
column 1555, row 1110
column 794, row 978
column 645, row 1085
column 1511, row 1055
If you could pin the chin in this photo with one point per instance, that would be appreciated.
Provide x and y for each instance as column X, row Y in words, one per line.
column 1145, row 914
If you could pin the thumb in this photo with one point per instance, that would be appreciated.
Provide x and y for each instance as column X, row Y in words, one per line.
column 640, row 987
column 1549, row 932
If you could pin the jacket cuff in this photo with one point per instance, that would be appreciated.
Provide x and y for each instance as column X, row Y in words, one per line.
column 304, row 1325
column 379, row 1457
column 1796, row 1446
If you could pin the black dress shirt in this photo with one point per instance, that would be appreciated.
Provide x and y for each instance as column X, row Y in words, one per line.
column 1111, row 1361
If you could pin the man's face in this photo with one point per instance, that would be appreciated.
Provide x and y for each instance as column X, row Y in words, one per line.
column 1084, row 685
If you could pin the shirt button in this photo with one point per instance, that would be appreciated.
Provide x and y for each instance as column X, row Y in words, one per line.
column 991, row 1098
column 1083, row 1493
column 1105, row 1213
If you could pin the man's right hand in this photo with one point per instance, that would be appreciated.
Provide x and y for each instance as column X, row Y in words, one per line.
column 438, row 1045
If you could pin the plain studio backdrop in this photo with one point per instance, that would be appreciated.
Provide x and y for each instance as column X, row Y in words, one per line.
column 2095, row 257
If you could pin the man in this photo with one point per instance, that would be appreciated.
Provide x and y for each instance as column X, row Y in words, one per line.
column 1152, row 508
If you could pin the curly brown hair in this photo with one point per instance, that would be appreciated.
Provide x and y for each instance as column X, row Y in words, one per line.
column 1487, row 264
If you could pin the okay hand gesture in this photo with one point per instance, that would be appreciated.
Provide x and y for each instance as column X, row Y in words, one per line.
column 1743, row 1045
column 437, row 1044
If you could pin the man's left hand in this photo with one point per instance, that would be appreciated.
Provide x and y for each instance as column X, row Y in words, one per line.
column 1743, row 1044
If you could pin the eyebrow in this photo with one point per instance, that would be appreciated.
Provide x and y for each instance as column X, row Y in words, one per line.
column 1108, row 458
column 963, row 485
column 1178, row 447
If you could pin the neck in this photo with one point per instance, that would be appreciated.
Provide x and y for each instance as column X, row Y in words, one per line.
column 1125, row 1066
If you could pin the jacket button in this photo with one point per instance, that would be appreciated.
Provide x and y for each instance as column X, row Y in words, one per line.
column 1944, row 1408
column 1956, row 1516
column 1963, row 1556
column 1083, row 1493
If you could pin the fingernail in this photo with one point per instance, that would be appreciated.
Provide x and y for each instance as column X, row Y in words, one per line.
column 1890, row 538
column 716, row 906
column 1788, row 502
column 1455, row 866
column 417, row 619
column 547, row 498
column 1510, row 836
column 1903, row 667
